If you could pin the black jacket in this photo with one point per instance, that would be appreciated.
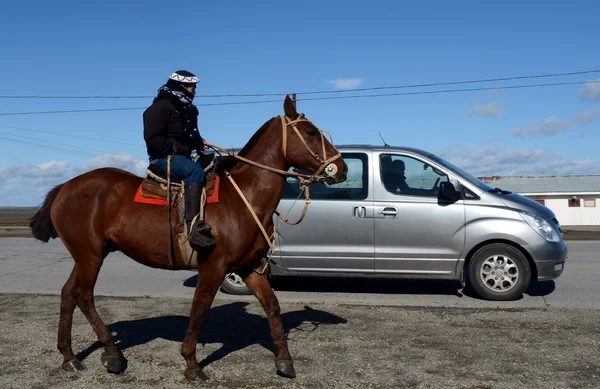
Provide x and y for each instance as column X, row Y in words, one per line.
column 165, row 133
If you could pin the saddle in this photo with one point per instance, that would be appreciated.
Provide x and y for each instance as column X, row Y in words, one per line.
column 154, row 186
column 154, row 189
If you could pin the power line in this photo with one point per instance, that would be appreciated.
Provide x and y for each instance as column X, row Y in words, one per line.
column 72, row 152
column 18, row 159
column 71, row 136
column 45, row 147
column 321, row 91
column 316, row 98
column 70, row 111
column 56, row 143
column 451, row 90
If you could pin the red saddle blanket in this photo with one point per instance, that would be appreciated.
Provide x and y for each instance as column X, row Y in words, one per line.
column 150, row 192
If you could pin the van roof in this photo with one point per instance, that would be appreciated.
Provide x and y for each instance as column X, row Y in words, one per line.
column 368, row 147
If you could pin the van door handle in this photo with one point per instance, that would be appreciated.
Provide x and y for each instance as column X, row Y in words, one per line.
column 359, row 212
column 389, row 211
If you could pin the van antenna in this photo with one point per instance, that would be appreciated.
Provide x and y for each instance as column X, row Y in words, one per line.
column 384, row 144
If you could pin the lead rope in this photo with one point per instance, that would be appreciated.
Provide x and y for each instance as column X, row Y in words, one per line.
column 168, row 208
column 270, row 239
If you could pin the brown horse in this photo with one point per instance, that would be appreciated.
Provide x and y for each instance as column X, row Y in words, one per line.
column 94, row 214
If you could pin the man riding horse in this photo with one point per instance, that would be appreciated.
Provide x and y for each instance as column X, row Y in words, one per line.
column 171, row 128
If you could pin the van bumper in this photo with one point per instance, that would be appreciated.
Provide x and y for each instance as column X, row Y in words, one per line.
column 550, row 260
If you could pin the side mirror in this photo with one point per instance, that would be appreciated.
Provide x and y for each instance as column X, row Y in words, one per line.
column 448, row 191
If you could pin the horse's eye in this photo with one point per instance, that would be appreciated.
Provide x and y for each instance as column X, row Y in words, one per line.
column 311, row 132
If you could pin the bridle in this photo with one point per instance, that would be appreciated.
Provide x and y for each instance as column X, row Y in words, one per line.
column 326, row 164
column 304, row 180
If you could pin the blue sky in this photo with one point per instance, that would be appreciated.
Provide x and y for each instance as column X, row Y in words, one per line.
column 115, row 48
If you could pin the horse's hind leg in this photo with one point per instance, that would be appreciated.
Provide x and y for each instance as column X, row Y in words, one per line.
column 87, row 269
column 81, row 283
column 69, row 297
column 261, row 289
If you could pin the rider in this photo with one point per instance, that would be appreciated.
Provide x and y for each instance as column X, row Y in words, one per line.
column 171, row 128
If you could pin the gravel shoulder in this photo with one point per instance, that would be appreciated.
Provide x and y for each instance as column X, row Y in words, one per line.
column 333, row 345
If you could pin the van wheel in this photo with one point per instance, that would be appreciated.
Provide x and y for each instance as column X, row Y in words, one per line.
column 499, row 272
column 233, row 284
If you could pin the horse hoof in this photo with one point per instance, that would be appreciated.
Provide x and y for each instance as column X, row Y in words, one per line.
column 196, row 375
column 111, row 363
column 73, row 366
column 285, row 369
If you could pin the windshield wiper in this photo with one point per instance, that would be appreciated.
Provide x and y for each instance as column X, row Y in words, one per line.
column 498, row 190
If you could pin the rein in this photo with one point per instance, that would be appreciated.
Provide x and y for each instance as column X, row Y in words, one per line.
column 304, row 179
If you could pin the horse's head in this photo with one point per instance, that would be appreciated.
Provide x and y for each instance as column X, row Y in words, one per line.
column 305, row 147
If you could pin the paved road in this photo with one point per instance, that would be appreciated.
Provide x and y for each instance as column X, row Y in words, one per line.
column 346, row 333
column 28, row 266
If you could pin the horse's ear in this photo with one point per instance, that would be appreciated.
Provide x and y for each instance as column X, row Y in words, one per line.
column 289, row 108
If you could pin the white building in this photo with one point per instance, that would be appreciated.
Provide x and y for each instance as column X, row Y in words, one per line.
column 574, row 199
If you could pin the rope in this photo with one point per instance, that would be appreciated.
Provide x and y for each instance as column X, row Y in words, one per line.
column 168, row 209
column 304, row 181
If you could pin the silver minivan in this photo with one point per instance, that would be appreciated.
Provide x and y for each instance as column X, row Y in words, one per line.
column 409, row 213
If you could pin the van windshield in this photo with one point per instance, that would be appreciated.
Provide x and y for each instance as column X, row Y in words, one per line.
column 467, row 176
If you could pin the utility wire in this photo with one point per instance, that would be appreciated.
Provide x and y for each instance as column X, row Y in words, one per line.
column 70, row 136
column 73, row 152
column 320, row 91
column 450, row 90
column 18, row 159
column 29, row 144
column 56, row 143
column 315, row 98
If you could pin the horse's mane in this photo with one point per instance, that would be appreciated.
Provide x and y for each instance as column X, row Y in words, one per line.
column 228, row 162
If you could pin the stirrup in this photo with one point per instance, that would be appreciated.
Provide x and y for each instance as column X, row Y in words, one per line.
column 200, row 236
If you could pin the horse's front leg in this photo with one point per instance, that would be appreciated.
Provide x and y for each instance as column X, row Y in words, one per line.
column 209, row 280
column 259, row 285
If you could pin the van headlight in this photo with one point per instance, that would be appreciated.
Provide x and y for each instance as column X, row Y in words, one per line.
column 542, row 227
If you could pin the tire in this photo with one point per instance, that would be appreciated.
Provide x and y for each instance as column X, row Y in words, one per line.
column 493, row 262
column 233, row 284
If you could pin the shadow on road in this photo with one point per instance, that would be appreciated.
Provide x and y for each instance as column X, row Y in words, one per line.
column 383, row 285
column 538, row 289
column 228, row 324
column 340, row 284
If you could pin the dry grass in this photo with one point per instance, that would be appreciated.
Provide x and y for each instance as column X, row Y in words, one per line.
column 14, row 220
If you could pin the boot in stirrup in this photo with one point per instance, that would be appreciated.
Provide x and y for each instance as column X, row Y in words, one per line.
column 199, row 233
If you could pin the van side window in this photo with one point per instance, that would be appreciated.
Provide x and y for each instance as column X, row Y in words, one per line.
column 403, row 175
column 356, row 187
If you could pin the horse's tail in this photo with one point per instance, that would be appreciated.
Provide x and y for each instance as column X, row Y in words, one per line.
column 41, row 223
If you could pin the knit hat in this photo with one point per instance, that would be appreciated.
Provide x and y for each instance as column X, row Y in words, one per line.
column 184, row 77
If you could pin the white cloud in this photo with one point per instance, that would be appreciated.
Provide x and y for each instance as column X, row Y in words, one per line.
column 121, row 161
column 550, row 126
column 346, row 83
column 26, row 185
column 590, row 91
column 489, row 161
column 587, row 116
column 490, row 110
column 555, row 125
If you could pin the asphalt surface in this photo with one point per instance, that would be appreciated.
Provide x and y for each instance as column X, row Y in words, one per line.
column 342, row 333
column 29, row 266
